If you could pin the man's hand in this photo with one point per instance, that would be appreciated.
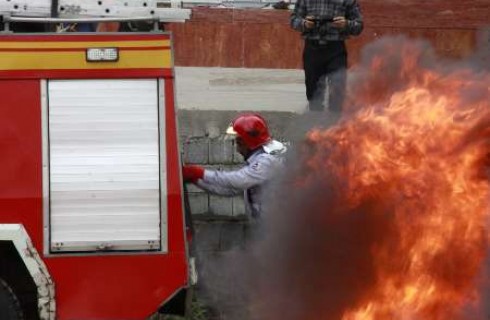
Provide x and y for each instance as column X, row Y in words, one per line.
column 308, row 22
column 192, row 173
column 339, row 22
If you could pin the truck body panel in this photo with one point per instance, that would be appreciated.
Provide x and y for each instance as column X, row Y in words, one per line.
column 106, row 284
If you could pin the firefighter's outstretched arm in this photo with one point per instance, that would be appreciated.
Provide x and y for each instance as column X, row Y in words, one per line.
column 221, row 191
column 254, row 174
column 195, row 174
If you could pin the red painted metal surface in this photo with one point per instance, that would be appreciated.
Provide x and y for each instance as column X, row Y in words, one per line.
column 102, row 286
column 92, row 37
column 86, row 74
column 256, row 38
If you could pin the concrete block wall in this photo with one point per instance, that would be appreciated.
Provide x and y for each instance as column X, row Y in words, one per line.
column 220, row 223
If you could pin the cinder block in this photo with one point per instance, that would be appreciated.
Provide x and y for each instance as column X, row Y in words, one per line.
column 199, row 203
column 212, row 129
column 238, row 206
column 220, row 205
column 194, row 131
column 237, row 158
column 220, row 151
column 207, row 236
column 196, row 150
column 232, row 236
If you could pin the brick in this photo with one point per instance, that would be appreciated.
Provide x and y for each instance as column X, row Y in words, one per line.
column 199, row 203
column 220, row 205
column 221, row 151
column 196, row 150
column 238, row 206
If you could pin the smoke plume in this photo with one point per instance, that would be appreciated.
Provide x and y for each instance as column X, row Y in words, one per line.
column 343, row 228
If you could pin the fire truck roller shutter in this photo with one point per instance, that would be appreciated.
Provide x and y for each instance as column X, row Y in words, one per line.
column 107, row 177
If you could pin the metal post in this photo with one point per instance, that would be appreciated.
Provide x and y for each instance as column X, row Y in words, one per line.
column 54, row 14
column 54, row 8
column 5, row 18
column 156, row 25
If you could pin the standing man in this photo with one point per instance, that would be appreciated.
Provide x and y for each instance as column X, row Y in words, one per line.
column 263, row 158
column 325, row 25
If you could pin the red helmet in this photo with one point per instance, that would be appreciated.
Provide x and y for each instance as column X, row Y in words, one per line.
column 252, row 128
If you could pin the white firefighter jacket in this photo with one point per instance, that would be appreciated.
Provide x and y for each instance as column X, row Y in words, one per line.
column 261, row 166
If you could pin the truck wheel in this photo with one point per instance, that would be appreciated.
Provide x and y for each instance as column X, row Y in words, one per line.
column 9, row 304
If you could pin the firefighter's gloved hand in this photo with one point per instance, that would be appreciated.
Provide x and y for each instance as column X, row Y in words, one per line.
column 192, row 173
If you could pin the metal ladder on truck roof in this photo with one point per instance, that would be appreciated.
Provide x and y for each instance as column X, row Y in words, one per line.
column 79, row 11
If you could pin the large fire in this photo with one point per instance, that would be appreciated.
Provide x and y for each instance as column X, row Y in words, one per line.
column 398, row 193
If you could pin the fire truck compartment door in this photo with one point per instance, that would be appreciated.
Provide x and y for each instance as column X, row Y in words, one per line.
column 106, row 173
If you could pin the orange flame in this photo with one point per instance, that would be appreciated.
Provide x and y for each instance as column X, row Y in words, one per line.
column 416, row 150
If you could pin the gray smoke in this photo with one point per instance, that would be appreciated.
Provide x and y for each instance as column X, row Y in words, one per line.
column 314, row 260
column 311, row 257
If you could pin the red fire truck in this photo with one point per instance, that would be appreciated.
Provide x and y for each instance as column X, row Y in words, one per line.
column 92, row 221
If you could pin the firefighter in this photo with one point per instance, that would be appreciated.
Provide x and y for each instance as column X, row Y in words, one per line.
column 263, row 156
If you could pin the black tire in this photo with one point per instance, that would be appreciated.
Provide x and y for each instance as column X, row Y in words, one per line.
column 9, row 304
